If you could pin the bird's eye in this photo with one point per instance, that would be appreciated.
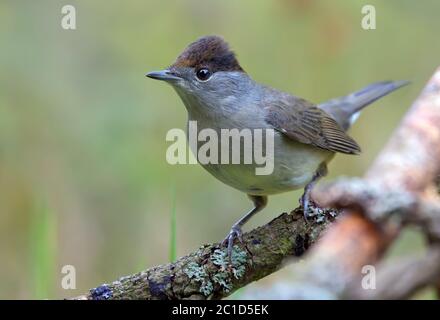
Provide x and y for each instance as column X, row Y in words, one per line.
column 203, row 74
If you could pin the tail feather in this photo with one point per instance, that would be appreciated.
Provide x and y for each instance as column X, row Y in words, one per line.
column 345, row 110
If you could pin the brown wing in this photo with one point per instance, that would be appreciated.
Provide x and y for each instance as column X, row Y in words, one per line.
column 302, row 121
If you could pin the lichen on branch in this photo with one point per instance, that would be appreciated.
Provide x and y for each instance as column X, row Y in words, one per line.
column 207, row 273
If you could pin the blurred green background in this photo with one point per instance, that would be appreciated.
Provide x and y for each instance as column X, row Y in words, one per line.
column 83, row 176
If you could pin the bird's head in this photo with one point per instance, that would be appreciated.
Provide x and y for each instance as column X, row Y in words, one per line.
column 207, row 70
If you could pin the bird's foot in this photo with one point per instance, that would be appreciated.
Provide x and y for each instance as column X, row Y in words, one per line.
column 309, row 207
column 311, row 210
column 235, row 233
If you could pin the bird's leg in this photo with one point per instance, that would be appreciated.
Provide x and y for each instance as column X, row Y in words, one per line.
column 259, row 203
column 305, row 198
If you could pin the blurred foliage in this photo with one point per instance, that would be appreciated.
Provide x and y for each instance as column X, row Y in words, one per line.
column 173, row 227
column 43, row 243
column 81, row 125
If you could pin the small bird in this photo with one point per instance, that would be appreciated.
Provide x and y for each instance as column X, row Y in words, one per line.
column 219, row 94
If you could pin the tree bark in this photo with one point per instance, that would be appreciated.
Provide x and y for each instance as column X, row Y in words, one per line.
column 207, row 273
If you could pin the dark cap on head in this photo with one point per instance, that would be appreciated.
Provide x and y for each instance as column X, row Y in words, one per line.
column 208, row 52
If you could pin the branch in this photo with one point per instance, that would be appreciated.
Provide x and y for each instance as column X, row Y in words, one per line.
column 207, row 272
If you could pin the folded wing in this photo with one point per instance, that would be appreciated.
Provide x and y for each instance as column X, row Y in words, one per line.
column 302, row 121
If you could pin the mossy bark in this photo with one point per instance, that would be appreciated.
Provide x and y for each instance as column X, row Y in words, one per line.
column 207, row 273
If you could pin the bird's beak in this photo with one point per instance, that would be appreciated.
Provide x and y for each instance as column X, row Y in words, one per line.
column 165, row 75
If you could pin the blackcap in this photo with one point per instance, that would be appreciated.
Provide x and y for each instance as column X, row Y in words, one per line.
column 219, row 94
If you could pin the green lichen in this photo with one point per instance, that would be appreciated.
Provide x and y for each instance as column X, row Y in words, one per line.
column 223, row 276
column 206, row 288
column 238, row 266
column 238, row 257
column 193, row 270
column 198, row 273
column 219, row 258
column 239, row 272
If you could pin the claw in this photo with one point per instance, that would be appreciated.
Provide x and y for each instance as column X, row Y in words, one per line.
column 235, row 233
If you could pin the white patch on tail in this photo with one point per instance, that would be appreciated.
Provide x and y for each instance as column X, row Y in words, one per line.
column 354, row 117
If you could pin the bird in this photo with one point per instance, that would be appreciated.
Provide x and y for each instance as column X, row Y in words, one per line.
column 218, row 94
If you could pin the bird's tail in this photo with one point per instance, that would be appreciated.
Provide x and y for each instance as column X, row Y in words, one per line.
column 345, row 110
